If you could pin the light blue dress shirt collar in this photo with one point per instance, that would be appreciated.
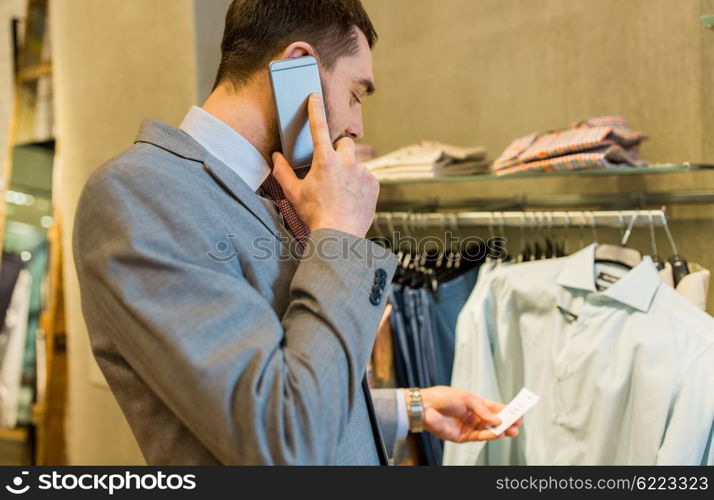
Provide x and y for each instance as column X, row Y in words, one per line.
column 636, row 289
column 227, row 145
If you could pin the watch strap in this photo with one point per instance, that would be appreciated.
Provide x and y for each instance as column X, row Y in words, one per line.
column 416, row 410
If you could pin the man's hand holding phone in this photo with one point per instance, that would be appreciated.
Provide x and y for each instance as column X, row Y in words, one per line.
column 337, row 193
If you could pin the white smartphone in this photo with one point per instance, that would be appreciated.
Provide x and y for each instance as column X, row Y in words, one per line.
column 293, row 80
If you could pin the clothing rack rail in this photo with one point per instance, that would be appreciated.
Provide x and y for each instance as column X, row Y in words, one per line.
column 601, row 201
column 391, row 221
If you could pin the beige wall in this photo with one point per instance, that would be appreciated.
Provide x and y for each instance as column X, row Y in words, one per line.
column 487, row 71
column 707, row 44
column 209, row 16
column 116, row 62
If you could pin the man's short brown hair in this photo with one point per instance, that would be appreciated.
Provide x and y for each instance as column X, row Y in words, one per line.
column 257, row 29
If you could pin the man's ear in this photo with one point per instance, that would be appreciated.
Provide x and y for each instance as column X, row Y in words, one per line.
column 298, row 49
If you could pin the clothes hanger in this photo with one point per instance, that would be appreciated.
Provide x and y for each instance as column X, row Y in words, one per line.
column 402, row 273
column 442, row 249
column 655, row 254
column 581, row 232
column 444, row 256
column 522, row 233
column 529, row 254
column 446, row 272
column 413, row 267
column 627, row 257
column 390, row 231
column 428, row 276
column 680, row 267
column 457, row 254
column 550, row 245
column 563, row 247
column 491, row 239
column 424, row 263
column 538, row 252
column 505, row 254
column 592, row 227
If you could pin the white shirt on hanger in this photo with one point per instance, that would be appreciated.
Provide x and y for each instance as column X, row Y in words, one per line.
column 625, row 375
column 694, row 286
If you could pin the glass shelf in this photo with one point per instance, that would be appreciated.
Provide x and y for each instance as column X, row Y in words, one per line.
column 647, row 170
column 708, row 21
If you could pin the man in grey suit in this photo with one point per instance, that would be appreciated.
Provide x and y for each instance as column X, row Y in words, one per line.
column 231, row 306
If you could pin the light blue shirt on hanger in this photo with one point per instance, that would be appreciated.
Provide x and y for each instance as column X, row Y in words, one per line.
column 625, row 374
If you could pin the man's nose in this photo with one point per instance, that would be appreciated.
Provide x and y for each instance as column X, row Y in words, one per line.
column 356, row 129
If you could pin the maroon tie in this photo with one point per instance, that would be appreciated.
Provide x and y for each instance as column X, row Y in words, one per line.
column 290, row 216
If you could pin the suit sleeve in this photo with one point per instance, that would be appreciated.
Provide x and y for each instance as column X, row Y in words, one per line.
column 255, row 388
column 392, row 416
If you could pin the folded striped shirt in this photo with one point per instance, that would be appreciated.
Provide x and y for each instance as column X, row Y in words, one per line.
column 606, row 157
column 600, row 142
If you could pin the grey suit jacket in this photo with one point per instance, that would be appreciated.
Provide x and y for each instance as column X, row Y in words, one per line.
column 220, row 343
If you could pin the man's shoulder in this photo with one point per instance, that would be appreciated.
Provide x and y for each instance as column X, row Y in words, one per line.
column 146, row 177
column 145, row 168
column 143, row 159
column 146, row 189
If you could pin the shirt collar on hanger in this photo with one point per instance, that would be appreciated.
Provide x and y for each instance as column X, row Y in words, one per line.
column 226, row 145
column 636, row 289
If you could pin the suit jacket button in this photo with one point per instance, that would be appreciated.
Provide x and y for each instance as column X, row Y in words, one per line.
column 381, row 273
column 375, row 298
column 380, row 282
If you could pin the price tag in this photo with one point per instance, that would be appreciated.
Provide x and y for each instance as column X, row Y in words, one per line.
column 524, row 401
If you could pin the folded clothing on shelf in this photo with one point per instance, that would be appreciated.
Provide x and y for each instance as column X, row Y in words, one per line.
column 429, row 159
column 600, row 142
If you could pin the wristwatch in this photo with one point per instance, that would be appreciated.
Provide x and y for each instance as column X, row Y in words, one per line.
column 416, row 410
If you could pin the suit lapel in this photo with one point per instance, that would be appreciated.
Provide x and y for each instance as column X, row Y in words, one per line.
column 176, row 141
column 234, row 185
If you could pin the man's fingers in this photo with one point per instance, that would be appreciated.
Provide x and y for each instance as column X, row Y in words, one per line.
column 481, row 435
column 481, row 410
column 494, row 406
column 318, row 124
column 285, row 175
column 346, row 147
column 512, row 431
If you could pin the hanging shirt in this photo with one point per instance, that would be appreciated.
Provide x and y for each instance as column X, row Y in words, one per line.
column 624, row 374
column 694, row 286
column 13, row 335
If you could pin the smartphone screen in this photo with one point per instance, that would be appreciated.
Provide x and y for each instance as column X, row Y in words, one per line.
column 293, row 80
